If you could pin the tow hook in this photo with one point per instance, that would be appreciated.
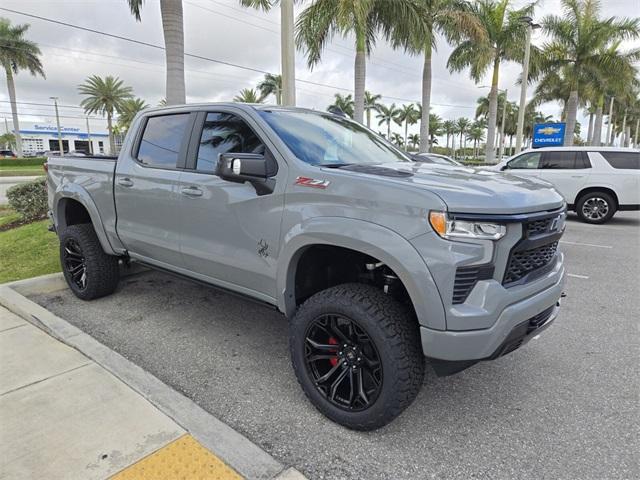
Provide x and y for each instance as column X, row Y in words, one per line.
column 562, row 295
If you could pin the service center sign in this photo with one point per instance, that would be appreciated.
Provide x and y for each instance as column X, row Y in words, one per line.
column 548, row 135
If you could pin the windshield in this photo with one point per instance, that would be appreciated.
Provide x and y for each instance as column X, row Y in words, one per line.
column 442, row 160
column 330, row 140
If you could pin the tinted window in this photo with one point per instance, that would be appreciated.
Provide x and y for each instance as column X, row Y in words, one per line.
column 325, row 139
column 563, row 160
column 526, row 161
column 161, row 140
column 627, row 160
column 222, row 133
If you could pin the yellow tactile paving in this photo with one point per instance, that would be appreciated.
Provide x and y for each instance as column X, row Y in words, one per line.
column 182, row 459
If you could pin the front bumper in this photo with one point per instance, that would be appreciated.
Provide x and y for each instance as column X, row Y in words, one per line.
column 471, row 346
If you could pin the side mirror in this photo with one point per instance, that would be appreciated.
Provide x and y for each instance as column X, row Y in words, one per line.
column 504, row 167
column 254, row 168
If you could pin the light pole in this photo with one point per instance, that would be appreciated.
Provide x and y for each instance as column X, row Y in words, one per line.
column 525, row 76
column 55, row 103
column 288, row 54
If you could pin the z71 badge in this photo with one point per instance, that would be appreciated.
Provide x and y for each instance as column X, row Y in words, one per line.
column 312, row 182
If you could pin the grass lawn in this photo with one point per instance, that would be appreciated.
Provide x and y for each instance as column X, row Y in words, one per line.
column 27, row 251
column 8, row 215
column 18, row 171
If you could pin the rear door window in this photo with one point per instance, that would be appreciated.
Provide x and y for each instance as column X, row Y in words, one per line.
column 225, row 133
column 623, row 160
column 162, row 139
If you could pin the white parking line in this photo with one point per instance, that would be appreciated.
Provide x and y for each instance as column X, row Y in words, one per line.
column 585, row 244
column 575, row 275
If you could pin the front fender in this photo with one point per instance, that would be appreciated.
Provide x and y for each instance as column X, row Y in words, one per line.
column 377, row 241
column 73, row 191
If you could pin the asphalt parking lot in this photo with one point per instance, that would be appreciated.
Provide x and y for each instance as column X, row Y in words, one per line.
column 566, row 406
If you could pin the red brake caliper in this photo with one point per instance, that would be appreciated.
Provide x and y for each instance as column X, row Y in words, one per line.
column 333, row 361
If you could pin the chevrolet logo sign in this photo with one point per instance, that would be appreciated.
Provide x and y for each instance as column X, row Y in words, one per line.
column 548, row 130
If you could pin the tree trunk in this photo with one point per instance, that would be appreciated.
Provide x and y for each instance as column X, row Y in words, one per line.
column 406, row 127
column 359, row 77
column 287, row 54
column 369, row 118
column 426, row 99
column 572, row 112
column 635, row 137
column 453, row 146
column 624, row 130
column 590, row 131
column 172, row 25
column 14, row 110
column 610, row 124
column 627, row 136
column 596, row 140
column 389, row 129
column 112, row 143
column 490, row 153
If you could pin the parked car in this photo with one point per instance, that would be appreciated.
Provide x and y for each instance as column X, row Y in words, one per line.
column 7, row 154
column 376, row 261
column 595, row 181
column 436, row 159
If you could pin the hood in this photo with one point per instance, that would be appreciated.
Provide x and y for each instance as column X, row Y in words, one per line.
column 470, row 190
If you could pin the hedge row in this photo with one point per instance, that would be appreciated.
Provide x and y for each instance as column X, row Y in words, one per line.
column 22, row 162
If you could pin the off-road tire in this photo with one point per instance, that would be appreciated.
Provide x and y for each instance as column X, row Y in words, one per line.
column 102, row 272
column 596, row 197
column 393, row 330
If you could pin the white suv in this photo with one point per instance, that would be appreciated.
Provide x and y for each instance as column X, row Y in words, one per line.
column 595, row 181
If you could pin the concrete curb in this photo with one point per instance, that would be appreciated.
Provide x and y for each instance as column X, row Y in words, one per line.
column 248, row 459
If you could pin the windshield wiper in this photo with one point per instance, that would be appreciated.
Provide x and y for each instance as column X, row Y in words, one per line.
column 334, row 165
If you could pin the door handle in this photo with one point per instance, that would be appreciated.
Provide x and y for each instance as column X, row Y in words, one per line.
column 125, row 182
column 191, row 191
column 577, row 176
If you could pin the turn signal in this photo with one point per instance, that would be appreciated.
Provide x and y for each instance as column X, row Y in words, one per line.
column 438, row 221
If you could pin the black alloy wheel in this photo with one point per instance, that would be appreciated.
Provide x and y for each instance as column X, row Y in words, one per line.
column 343, row 362
column 74, row 263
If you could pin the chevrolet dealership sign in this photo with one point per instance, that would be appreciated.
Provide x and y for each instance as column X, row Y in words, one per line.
column 548, row 135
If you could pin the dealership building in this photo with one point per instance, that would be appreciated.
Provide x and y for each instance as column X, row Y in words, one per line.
column 43, row 136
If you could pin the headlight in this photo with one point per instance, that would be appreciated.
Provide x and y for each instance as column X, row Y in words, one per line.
column 460, row 229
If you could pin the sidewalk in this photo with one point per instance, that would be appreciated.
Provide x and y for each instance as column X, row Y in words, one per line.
column 63, row 416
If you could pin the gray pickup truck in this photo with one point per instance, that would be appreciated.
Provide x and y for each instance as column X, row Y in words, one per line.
column 377, row 261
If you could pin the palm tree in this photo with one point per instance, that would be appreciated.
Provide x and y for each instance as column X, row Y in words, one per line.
column 448, row 126
column 344, row 103
column 172, row 27
column 463, row 125
column 504, row 39
column 435, row 128
column 408, row 115
column 105, row 96
column 578, row 46
column 8, row 141
column 287, row 50
column 397, row 139
column 17, row 53
column 128, row 111
column 322, row 19
column 387, row 115
column 476, row 133
column 414, row 140
column 248, row 95
column 371, row 102
column 271, row 84
column 448, row 18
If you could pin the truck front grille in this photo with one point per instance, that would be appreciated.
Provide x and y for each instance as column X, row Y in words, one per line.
column 537, row 227
column 466, row 279
column 524, row 262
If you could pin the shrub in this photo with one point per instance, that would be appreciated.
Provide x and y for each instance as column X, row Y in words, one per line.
column 29, row 199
